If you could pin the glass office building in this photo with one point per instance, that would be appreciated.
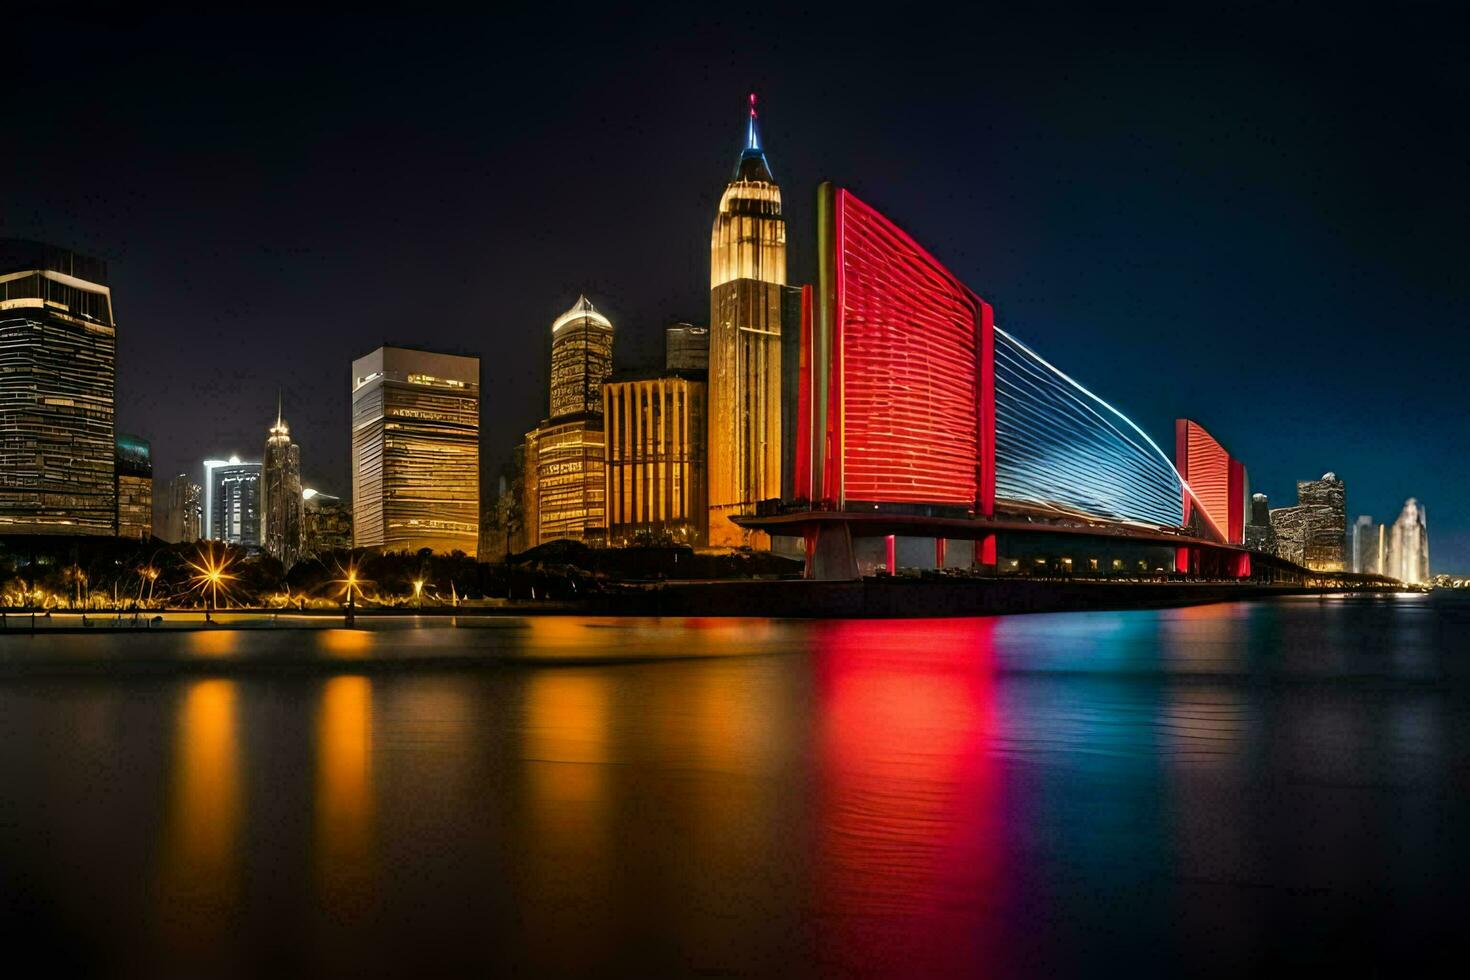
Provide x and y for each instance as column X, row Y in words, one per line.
column 58, row 355
column 232, row 501
column 416, row 451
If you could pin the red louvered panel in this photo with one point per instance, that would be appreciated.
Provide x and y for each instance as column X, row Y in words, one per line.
column 908, row 368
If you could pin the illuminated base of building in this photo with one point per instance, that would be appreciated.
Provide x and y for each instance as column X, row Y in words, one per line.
column 842, row 545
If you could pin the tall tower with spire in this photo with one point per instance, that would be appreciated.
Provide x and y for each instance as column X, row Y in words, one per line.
column 747, row 271
column 281, row 501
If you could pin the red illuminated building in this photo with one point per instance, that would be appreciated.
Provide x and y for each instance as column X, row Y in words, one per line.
column 896, row 436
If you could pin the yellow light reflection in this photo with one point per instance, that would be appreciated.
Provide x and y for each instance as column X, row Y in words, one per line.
column 213, row 643
column 350, row 644
column 344, row 802
column 200, row 863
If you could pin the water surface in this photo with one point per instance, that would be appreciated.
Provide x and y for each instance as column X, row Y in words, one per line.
column 1210, row 790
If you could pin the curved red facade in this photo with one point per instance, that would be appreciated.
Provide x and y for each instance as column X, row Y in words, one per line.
column 906, row 351
column 1218, row 482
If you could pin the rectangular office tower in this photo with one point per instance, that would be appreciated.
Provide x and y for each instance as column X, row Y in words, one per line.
column 232, row 502
column 415, row 451
column 58, row 356
column 134, row 488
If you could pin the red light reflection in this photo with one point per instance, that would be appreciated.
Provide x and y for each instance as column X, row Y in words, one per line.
column 910, row 826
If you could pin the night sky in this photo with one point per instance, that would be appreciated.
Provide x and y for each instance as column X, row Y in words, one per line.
column 1257, row 220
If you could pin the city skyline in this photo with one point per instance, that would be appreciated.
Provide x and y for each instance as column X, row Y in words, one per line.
column 1033, row 278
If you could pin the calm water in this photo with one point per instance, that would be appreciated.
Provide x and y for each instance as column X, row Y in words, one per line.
column 1204, row 790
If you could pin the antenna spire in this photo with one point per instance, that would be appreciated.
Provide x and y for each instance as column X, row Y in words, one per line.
column 752, row 135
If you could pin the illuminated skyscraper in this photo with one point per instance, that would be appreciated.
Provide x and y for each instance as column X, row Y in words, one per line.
column 1408, row 544
column 280, row 499
column 747, row 271
column 183, row 519
column 563, row 492
column 581, row 360
column 416, row 451
column 134, row 470
column 232, row 501
column 1314, row 532
column 58, row 354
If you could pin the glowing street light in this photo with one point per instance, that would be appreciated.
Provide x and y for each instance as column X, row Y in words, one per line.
column 209, row 575
column 418, row 593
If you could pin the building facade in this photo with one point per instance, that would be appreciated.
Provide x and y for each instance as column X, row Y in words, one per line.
column 58, row 364
column 1314, row 532
column 1370, row 543
column 747, row 271
column 134, row 469
column 183, row 517
column 563, row 490
column 326, row 523
column 655, row 430
column 416, row 451
column 1408, row 545
column 281, row 500
column 232, row 502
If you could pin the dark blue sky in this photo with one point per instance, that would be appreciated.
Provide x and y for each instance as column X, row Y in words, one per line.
column 1254, row 219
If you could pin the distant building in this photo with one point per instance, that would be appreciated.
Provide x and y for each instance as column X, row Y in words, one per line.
column 280, row 499
column 416, row 451
column 686, row 348
column 1258, row 533
column 134, row 471
column 184, row 510
column 747, row 273
column 1370, row 543
column 563, row 492
column 232, row 502
column 326, row 523
column 1314, row 532
column 656, row 431
column 58, row 356
column 1408, row 545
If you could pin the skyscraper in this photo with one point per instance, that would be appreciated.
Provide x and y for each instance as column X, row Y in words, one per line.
column 280, row 499
column 184, row 514
column 1408, row 544
column 58, row 355
column 232, row 502
column 416, row 451
column 1369, row 545
column 747, row 271
column 564, row 486
column 581, row 360
column 134, row 469
column 1314, row 532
